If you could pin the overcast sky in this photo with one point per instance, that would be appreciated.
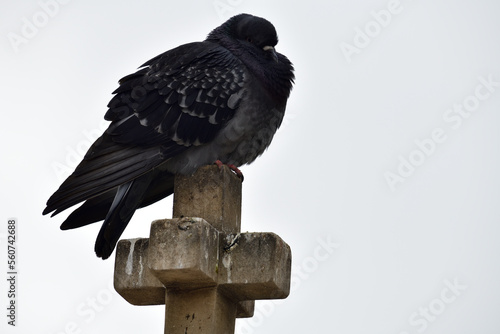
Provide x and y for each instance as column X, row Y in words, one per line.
column 386, row 164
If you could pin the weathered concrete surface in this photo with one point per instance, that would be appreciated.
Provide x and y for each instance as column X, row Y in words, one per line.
column 206, row 272
column 245, row 309
column 185, row 252
column 133, row 280
column 212, row 193
column 199, row 311
column 257, row 266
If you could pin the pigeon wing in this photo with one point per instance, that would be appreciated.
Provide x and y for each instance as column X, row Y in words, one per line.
column 179, row 99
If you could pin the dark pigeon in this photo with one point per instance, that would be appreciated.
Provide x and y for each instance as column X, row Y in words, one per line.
column 218, row 100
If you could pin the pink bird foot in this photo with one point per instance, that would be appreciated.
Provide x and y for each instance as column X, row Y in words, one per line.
column 231, row 167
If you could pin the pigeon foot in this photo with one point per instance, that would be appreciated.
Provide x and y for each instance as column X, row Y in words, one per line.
column 231, row 167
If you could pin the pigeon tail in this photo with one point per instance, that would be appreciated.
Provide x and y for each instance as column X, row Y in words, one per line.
column 127, row 199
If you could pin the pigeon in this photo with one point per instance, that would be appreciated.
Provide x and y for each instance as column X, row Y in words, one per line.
column 216, row 101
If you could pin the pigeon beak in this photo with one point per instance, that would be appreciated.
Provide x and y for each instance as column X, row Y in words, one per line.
column 271, row 49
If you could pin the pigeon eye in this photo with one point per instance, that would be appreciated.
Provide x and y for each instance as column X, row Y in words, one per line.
column 249, row 39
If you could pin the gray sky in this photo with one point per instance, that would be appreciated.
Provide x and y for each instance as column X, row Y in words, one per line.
column 383, row 179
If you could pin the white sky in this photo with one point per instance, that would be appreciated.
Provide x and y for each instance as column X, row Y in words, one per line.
column 352, row 118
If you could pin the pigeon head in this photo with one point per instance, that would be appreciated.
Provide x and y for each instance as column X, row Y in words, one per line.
column 255, row 30
column 247, row 32
column 253, row 39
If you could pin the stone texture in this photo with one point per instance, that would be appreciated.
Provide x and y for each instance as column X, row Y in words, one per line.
column 185, row 252
column 257, row 266
column 245, row 309
column 199, row 311
column 133, row 280
column 212, row 193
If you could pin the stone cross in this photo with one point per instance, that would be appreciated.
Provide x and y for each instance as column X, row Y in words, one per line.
column 198, row 263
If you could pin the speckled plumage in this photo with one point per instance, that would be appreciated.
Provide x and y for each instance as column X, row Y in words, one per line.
column 220, row 99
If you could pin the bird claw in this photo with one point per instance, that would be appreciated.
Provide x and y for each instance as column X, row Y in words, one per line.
column 231, row 167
